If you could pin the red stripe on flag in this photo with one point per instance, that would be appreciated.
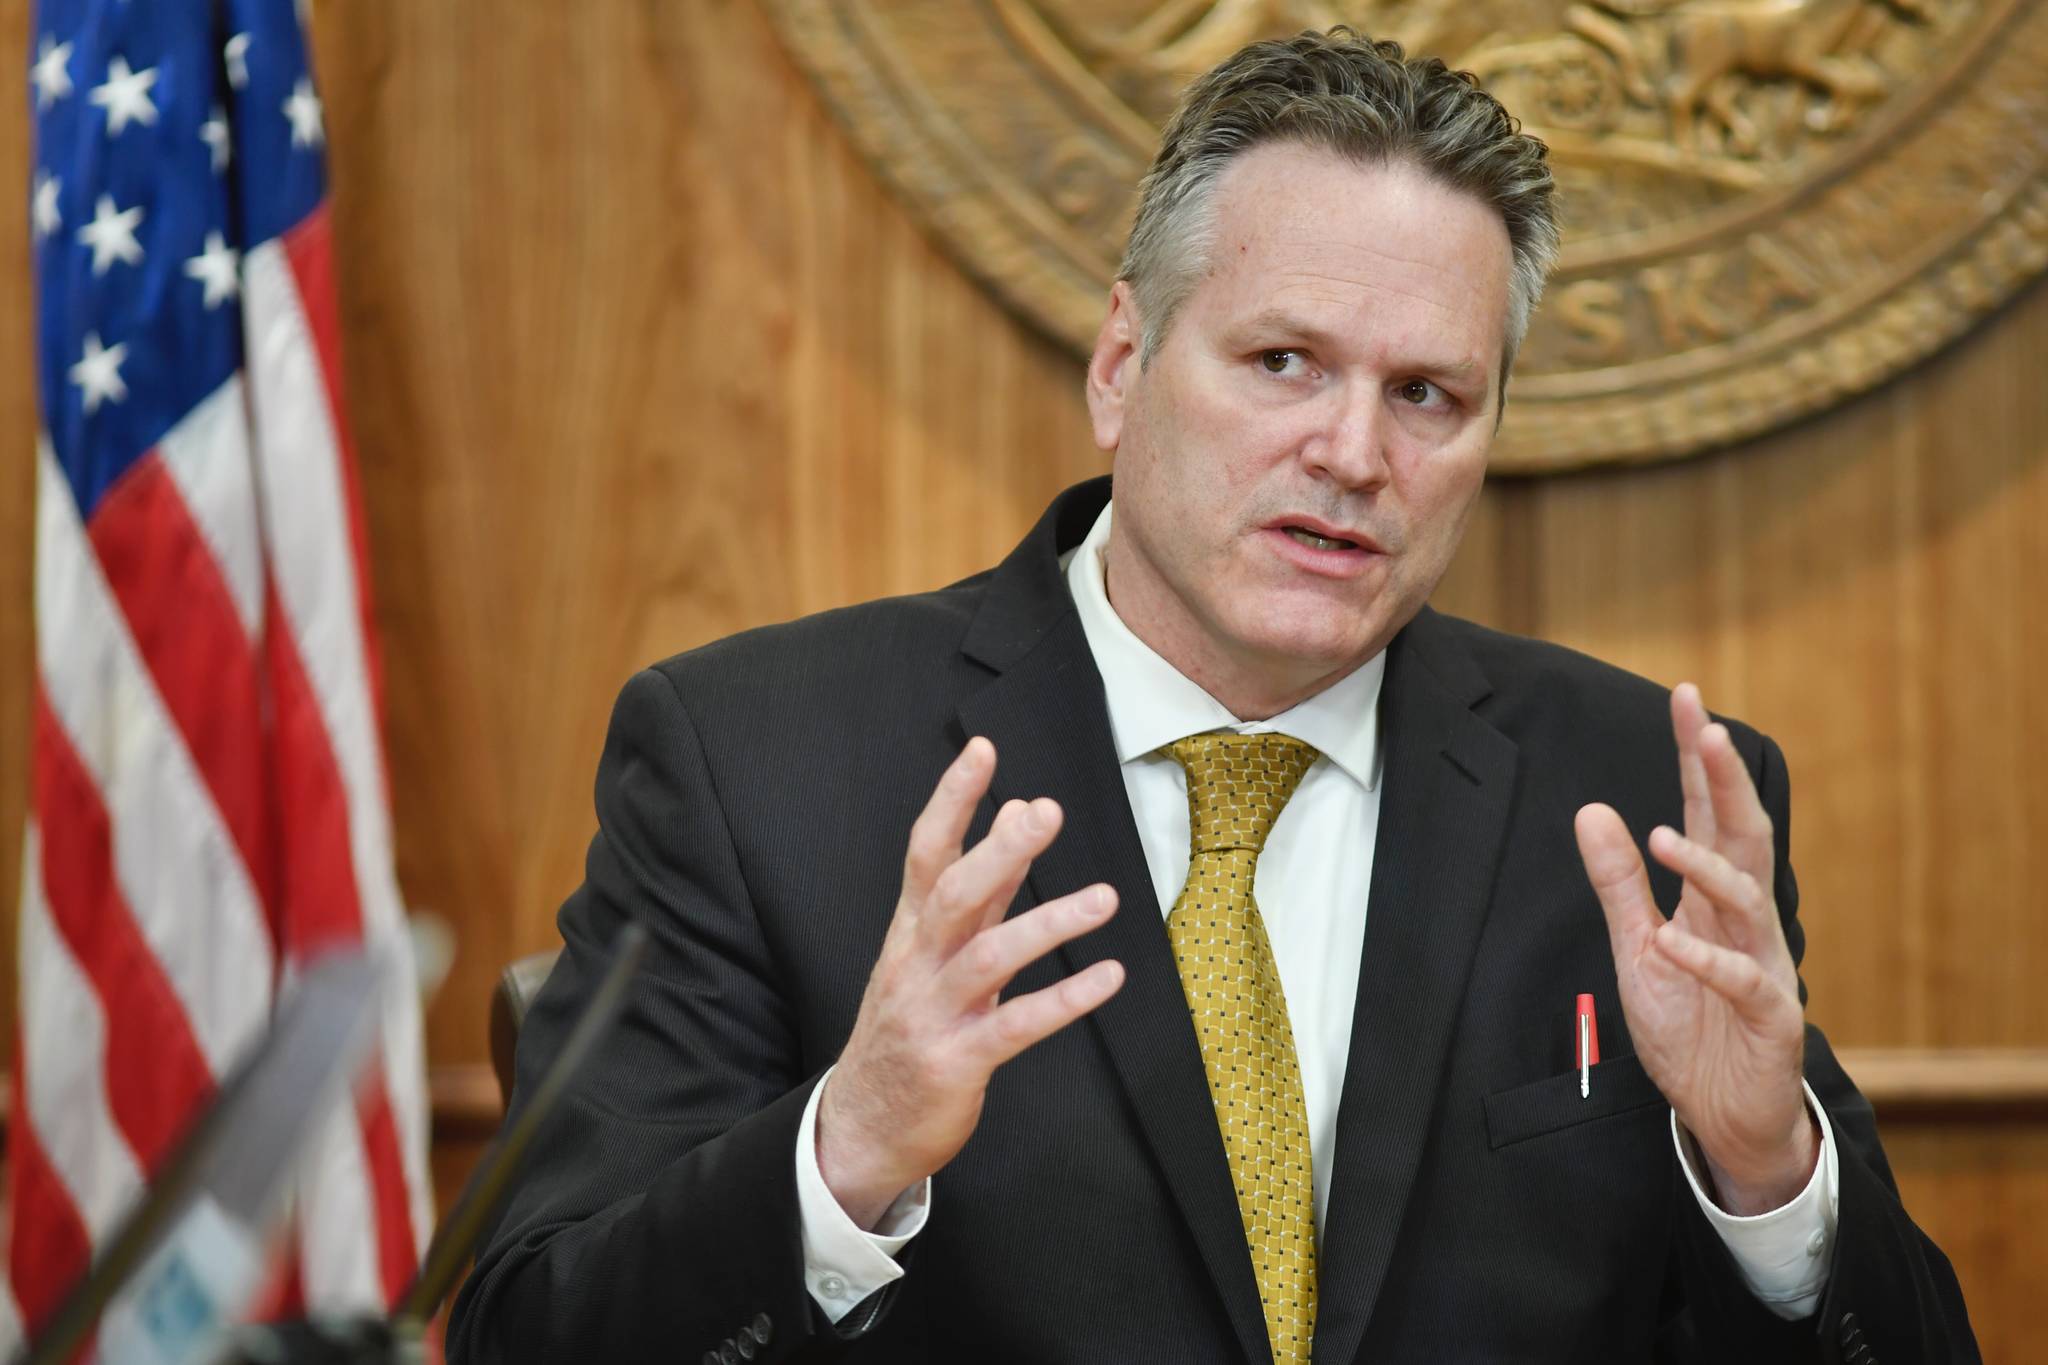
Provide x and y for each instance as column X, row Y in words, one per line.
column 396, row 1255
column 318, row 876
column 171, row 589
column 283, row 1296
column 48, row 1247
column 156, row 1076
column 309, row 250
column 321, row 910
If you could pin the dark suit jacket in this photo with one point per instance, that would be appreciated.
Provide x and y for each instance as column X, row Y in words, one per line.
column 754, row 799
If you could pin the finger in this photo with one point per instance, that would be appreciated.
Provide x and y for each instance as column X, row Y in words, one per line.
column 1744, row 824
column 977, row 889
column 936, row 834
column 1743, row 910
column 996, row 904
column 994, row 955
column 1735, row 976
column 1017, row 1024
column 1616, row 871
column 1688, row 718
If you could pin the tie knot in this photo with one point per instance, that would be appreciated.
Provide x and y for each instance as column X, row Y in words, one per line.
column 1237, row 785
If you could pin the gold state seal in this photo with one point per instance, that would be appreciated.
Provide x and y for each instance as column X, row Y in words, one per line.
column 1768, row 204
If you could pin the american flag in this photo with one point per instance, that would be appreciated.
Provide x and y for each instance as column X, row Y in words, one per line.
column 209, row 806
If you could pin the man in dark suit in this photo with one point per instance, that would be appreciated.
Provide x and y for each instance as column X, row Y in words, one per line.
column 1315, row 873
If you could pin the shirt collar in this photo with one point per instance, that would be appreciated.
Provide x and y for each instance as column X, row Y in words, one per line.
column 1152, row 703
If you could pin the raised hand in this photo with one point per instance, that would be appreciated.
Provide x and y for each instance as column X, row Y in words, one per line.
column 1712, row 996
column 907, row 1090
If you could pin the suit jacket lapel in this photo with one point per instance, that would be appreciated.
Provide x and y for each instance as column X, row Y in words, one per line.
column 1447, row 780
column 1046, row 715
column 1049, row 724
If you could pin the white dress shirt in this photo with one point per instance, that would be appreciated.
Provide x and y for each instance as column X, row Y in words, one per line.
column 1311, row 886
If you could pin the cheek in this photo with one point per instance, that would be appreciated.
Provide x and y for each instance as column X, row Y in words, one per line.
column 1231, row 445
column 1441, row 491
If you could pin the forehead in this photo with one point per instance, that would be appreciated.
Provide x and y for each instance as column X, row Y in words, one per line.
column 1370, row 250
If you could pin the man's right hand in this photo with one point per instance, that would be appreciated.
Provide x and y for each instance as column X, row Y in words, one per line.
column 932, row 1029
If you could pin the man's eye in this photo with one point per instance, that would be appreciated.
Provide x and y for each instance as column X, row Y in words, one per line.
column 1417, row 391
column 1278, row 362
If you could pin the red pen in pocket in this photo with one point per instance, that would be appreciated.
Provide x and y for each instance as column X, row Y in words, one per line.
column 1588, row 1042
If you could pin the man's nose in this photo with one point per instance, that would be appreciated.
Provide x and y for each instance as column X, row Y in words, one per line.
column 1352, row 449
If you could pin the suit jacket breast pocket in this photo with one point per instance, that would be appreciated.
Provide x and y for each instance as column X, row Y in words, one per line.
column 1619, row 1086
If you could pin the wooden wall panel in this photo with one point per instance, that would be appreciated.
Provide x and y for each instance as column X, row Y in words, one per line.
column 1866, row 588
column 640, row 357
column 640, row 353
column 1981, row 1192
column 17, row 486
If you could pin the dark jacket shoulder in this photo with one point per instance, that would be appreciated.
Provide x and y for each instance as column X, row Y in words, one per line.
column 1537, row 690
column 829, row 658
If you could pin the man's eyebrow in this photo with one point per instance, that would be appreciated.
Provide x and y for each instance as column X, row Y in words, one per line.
column 1278, row 323
column 1469, row 370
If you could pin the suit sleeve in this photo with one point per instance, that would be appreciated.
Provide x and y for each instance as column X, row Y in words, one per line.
column 1891, row 1295
column 657, row 1218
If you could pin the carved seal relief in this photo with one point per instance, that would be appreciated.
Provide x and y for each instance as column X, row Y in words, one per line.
column 1768, row 204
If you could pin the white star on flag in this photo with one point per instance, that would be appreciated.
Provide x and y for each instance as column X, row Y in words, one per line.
column 51, row 73
column 98, row 372
column 215, row 268
column 303, row 109
column 47, row 216
column 214, row 133
column 222, row 459
column 237, row 54
column 111, row 235
column 125, row 96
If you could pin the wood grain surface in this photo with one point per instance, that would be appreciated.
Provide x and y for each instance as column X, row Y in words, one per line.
column 17, row 481
column 640, row 354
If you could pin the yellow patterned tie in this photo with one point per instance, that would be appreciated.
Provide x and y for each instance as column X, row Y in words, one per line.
column 1236, row 787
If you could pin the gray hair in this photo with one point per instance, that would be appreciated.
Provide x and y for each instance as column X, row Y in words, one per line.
column 1360, row 99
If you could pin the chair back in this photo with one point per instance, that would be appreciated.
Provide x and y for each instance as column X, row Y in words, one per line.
column 517, row 985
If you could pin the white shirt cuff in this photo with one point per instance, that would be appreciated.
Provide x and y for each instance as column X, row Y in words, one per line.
column 842, row 1263
column 1783, row 1254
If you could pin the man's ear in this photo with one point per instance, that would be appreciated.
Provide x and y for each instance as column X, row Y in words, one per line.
column 1114, row 367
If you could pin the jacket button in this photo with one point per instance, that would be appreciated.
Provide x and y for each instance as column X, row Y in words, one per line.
column 1848, row 1329
column 727, row 1355
column 744, row 1339
column 764, row 1328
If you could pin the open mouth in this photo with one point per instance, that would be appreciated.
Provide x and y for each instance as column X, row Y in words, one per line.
column 1319, row 542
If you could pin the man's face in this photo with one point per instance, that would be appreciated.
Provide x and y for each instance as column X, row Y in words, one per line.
column 1295, row 466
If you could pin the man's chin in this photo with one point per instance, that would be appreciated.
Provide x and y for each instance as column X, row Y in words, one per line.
column 1317, row 633
column 1313, row 651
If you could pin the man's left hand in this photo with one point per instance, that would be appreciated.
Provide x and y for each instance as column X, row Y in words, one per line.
column 1712, row 996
